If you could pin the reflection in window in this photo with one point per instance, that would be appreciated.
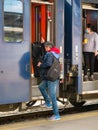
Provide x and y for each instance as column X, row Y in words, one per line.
column 13, row 21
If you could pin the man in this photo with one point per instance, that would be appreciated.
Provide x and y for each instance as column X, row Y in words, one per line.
column 90, row 50
column 50, row 95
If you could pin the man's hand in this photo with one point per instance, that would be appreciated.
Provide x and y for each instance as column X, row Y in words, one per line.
column 96, row 53
column 39, row 63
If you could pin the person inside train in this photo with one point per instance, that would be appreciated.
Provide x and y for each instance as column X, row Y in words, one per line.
column 47, row 87
column 90, row 50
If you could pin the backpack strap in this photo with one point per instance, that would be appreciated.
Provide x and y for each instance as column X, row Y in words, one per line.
column 53, row 56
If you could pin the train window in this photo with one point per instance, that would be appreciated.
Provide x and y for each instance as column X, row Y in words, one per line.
column 13, row 21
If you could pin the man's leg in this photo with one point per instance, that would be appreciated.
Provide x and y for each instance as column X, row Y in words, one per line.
column 52, row 86
column 86, row 64
column 92, row 59
column 43, row 86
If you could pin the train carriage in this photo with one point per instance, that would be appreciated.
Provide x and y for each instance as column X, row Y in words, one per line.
column 24, row 27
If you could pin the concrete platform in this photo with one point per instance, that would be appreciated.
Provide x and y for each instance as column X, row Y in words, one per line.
column 80, row 121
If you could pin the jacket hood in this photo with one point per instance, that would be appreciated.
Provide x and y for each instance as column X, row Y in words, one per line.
column 55, row 50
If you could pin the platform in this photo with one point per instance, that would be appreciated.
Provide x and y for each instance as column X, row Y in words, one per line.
column 80, row 121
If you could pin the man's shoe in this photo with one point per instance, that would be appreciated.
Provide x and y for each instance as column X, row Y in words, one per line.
column 92, row 78
column 46, row 105
column 85, row 78
column 54, row 118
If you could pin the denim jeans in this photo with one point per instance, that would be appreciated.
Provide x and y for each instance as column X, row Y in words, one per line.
column 48, row 91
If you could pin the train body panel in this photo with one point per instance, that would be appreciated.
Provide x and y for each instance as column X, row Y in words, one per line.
column 60, row 29
column 76, row 42
column 14, row 53
column 69, row 37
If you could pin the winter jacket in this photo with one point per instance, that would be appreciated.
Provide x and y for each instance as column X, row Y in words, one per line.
column 92, row 44
column 47, row 62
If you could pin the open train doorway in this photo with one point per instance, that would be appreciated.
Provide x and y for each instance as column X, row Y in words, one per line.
column 41, row 25
column 90, row 16
column 42, row 30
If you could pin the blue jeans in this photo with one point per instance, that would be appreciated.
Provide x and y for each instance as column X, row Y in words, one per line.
column 48, row 91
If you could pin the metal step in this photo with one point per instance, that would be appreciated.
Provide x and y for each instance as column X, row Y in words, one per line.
column 90, row 89
column 90, row 85
column 35, row 91
column 96, row 75
column 34, row 81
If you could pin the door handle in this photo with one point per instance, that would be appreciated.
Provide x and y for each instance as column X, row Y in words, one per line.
column 27, row 67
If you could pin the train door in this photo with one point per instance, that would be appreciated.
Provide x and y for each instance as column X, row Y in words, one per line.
column 14, row 51
column 41, row 26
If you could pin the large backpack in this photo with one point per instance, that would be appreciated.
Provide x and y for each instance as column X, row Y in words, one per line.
column 54, row 71
column 38, row 51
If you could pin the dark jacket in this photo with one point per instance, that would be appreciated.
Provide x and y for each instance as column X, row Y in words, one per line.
column 47, row 62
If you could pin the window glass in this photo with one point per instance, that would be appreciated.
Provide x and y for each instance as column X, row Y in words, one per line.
column 13, row 21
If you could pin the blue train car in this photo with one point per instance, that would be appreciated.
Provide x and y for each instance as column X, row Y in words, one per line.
column 22, row 30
